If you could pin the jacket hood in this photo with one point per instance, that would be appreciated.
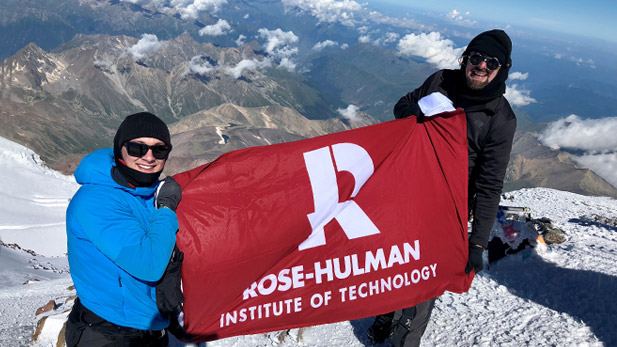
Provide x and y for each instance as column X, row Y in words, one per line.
column 95, row 168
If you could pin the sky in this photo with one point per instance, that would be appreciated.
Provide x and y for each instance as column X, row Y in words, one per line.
column 586, row 18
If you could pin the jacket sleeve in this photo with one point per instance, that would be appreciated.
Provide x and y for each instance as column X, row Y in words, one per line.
column 408, row 104
column 141, row 248
column 488, row 179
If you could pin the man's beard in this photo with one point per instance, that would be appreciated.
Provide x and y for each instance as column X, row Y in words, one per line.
column 475, row 84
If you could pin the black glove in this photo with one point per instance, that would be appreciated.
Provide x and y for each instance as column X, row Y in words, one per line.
column 411, row 110
column 169, row 297
column 475, row 259
column 168, row 194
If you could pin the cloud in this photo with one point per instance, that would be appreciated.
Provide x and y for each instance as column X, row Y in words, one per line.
column 583, row 61
column 192, row 8
column 287, row 64
column 518, row 76
column 188, row 9
column 437, row 51
column 594, row 137
column 461, row 18
column 517, row 96
column 246, row 65
column 351, row 113
column 198, row 65
column 217, row 29
column 147, row 44
column 323, row 44
column 103, row 63
column 240, row 40
column 380, row 41
column 201, row 65
column 364, row 39
column 603, row 164
column 277, row 40
column 328, row 11
column 279, row 45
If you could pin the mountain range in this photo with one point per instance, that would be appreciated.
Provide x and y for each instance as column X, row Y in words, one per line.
column 281, row 73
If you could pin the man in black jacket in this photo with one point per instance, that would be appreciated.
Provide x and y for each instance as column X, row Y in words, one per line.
column 478, row 88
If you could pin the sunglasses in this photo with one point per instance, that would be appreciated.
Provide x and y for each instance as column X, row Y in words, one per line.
column 492, row 63
column 135, row 149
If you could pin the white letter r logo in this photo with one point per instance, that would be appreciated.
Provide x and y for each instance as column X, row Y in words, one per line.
column 320, row 166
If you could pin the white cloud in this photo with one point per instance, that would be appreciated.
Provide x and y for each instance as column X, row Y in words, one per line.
column 461, row 18
column 351, row 112
column 517, row 96
column 199, row 66
column 103, row 63
column 364, row 39
column 323, row 44
column 437, row 51
column 382, row 40
column 192, row 8
column 595, row 137
column 344, row 46
column 456, row 15
column 363, row 29
column 328, row 11
column 186, row 8
column 279, row 44
column 246, row 16
column 277, row 40
column 240, row 40
column 147, row 44
column 582, row 61
column 518, row 76
column 246, row 65
column 218, row 29
column 287, row 64
column 603, row 164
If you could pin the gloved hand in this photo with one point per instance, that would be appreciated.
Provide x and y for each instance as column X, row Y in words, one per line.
column 475, row 259
column 168, row 194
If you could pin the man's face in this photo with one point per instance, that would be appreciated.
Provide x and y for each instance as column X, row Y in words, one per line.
column 147, row 163
column 479, row 76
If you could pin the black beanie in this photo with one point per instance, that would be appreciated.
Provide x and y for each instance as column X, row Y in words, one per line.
column 142, row 124
column 495, row 43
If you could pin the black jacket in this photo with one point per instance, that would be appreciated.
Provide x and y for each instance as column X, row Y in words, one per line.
column 490, row 131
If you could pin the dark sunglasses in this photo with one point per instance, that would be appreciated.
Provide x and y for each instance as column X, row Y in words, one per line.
column 135, row 149
column 492, row 63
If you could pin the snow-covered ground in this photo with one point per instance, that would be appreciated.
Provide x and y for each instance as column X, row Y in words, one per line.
column 565, row 296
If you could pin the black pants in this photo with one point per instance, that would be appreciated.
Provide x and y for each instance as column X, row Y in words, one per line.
column 408, row 329
column 85, row 328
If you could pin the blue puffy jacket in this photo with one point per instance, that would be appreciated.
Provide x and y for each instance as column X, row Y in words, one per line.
column 118, row 245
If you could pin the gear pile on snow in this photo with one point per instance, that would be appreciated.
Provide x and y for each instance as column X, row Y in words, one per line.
column 515, row 230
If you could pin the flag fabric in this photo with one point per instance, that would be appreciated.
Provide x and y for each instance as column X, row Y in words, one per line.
column 338, row 227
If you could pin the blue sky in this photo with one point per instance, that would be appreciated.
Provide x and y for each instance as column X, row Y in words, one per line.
column 594, row 18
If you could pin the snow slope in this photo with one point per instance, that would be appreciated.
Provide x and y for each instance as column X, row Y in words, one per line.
column 33, row 199
column 562, row 297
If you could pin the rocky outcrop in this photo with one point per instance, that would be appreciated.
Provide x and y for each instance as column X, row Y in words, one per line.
column 535, row 165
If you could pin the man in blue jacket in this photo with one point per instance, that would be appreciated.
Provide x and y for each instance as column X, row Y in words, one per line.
column 121, row 230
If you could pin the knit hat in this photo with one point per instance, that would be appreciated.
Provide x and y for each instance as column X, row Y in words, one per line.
column 494, row 43
column 142, row 124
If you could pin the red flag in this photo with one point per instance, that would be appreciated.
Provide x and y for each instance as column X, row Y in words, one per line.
column 333, row 228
